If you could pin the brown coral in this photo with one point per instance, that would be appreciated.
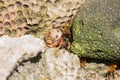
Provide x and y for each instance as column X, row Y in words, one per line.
column 12, row 20
column 19, row 17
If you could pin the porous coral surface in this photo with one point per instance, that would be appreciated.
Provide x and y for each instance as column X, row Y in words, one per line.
column 19, row 17
column 62, row 63
column 57, row 64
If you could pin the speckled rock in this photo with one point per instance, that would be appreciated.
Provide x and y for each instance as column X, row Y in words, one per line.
column 96, row 30
column 58, row 64
column 61, row 65
column 55, row 65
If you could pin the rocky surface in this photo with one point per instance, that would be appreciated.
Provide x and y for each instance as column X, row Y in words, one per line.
column 14, row 50
column 96, row 30
column 34, row 16
column 57, row 64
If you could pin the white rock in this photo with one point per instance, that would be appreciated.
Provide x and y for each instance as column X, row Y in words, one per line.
column 61, row 65
column 14, row 50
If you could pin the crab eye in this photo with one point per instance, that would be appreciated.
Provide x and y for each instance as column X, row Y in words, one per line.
column 56, row 36
column 63, row 27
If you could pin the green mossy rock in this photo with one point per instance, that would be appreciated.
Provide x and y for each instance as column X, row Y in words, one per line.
column 96, row 30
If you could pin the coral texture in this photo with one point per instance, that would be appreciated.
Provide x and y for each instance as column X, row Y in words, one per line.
column 14, row 50
column 55, row 64
column 19, row 17
column 61, row 65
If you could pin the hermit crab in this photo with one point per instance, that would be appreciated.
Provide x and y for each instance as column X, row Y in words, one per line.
column 56, row 37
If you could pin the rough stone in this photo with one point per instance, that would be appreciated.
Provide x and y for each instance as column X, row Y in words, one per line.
column 14, row 50
column 96, row 30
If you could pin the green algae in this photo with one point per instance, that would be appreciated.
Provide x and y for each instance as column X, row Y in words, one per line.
column 96, row 30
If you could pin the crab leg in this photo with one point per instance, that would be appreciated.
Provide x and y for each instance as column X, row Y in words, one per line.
column 54, row 44
column 61, row 43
